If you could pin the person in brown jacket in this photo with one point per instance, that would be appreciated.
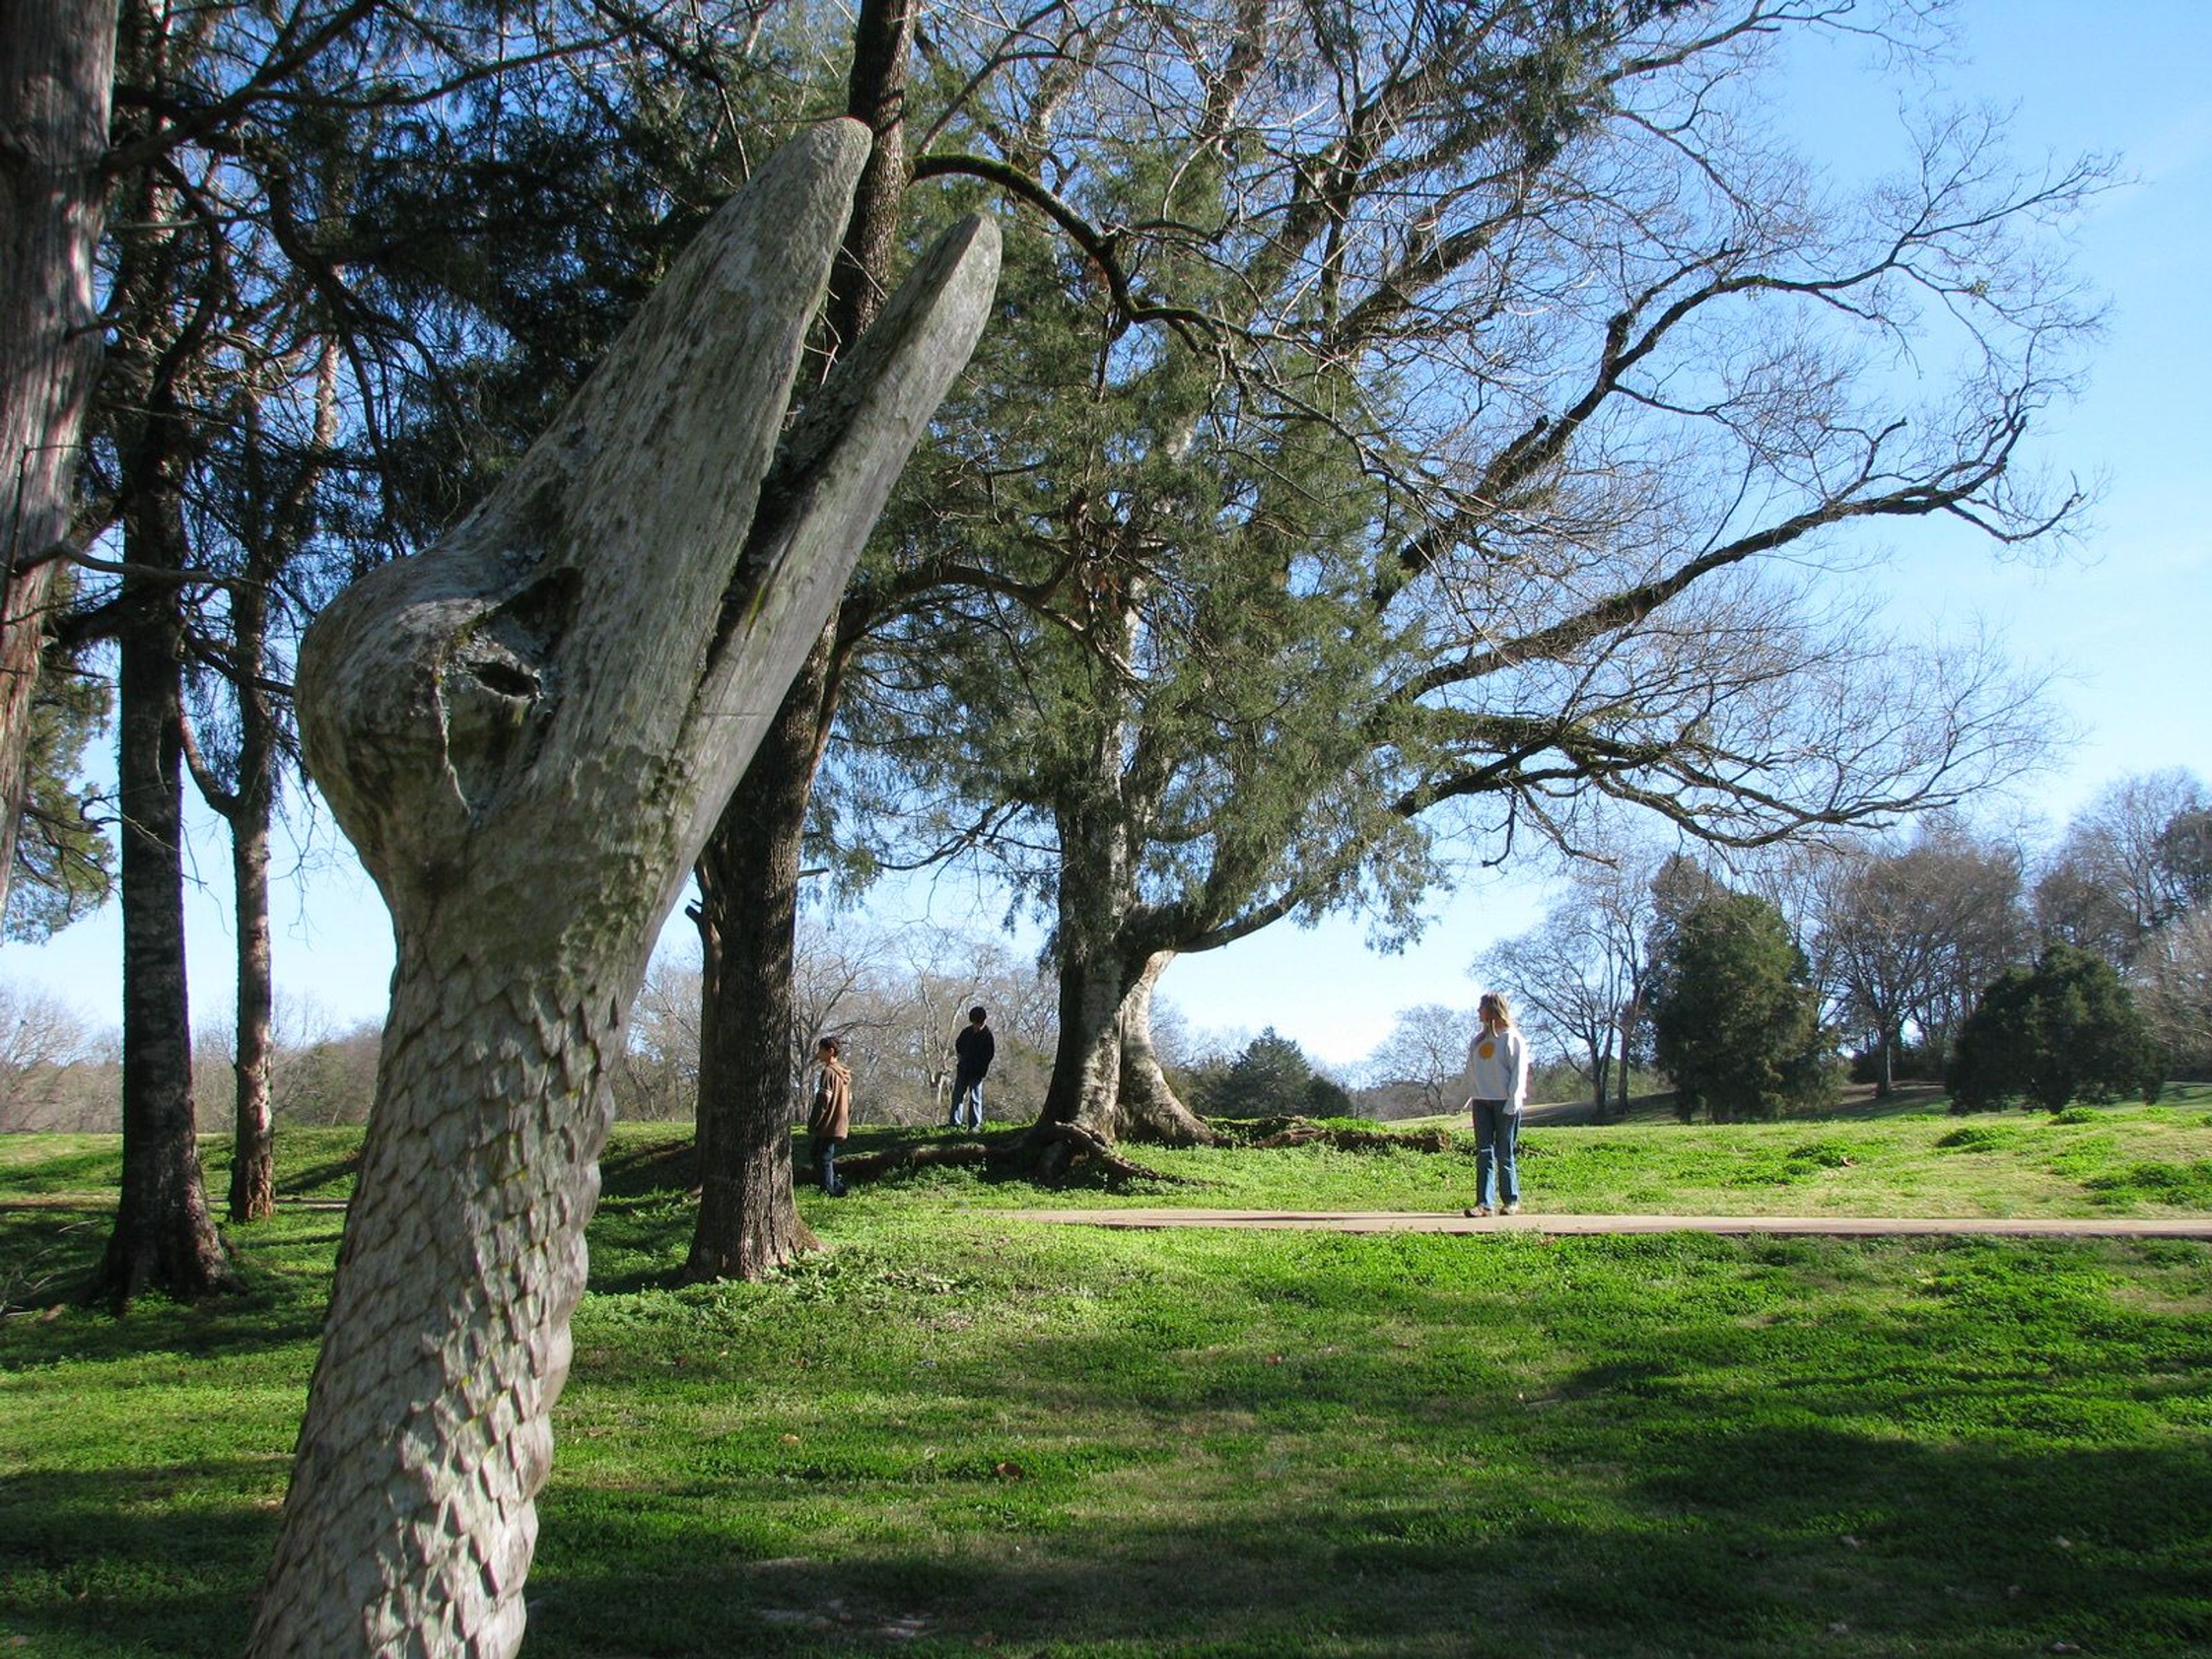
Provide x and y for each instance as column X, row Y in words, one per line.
column 831, row 1119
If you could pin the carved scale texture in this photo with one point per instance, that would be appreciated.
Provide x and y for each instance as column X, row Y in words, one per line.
column 526, row 732
column 448, row 1339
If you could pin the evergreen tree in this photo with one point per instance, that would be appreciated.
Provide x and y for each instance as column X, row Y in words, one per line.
column 1271, row 1078
column 1556, row 592
column 1735, row 1017
column 64, row 856
column 2064, row 1030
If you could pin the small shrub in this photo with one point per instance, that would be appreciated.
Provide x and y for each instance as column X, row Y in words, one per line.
column 1978, row 1137
column 2184, row 1186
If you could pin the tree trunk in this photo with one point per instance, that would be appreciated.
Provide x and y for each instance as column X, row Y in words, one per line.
column 1148, row 1109
column 164, row 1238
column 1100, row 842
column 528, row 732
column 253, row 1160
column 56, row 68
column 748, row 1223
column 1628, row 1012
column 875, row 95
column 1098, row 894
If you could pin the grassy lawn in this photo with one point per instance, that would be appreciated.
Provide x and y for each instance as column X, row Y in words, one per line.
column 953, row 1432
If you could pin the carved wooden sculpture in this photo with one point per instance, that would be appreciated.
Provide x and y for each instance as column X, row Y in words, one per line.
column 528, row 732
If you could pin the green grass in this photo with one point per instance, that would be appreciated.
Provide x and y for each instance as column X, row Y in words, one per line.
column 954, row 1432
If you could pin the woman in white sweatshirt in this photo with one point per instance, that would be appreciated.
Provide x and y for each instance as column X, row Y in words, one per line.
column 1497, row 1083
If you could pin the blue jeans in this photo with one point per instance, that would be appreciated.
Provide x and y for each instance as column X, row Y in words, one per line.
column 967, row 1092
column 1496, row 1130
column 826, row 1167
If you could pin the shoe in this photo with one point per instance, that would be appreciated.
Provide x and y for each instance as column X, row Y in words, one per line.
column 1476, row 1210
column 1513, row 1208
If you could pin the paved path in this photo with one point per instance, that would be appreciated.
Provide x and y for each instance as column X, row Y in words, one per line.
column 1832, row 1226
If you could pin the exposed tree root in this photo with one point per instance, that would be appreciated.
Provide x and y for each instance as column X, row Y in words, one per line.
column 952, row 1154
column 1066, row 1147
column 1044, row 1151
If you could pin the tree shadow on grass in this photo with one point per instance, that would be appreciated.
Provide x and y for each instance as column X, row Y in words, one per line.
column 1240, row 1476
column 648, row 1169
column 316, row 1180
column 47, row 1259
column 163, row 1559
column 1204, row 1483
column 1723, row 1559
column 1720, row 1557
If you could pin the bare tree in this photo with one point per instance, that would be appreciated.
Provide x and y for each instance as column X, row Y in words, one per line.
column 658, row 1075
column 41, row 1039
column 898, row 994
column 1573, row 983
column 322, row 1073
column 1911, row 937
column 2124, row 870
column 528, row 733
column 2173, row 976
column 1426, row 1051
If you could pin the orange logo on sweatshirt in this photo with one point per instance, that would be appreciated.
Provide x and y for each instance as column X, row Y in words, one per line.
column 1488, row 1051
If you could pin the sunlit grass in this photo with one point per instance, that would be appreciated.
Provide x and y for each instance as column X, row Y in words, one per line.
column 953, row 1432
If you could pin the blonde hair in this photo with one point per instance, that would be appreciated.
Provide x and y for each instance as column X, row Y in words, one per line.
column 1495, row 1002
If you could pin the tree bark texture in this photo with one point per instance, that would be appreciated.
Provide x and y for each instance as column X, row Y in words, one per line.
column 528, row 732
column 875, row 95
column 1097, row 892
column 164, row 1238
column 56, row 67
column 748, row 1221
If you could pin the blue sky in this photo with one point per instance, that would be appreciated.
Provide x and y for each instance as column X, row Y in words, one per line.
column 2125, row 619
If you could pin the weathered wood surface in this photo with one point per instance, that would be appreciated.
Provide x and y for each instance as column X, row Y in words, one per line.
column 527, row 731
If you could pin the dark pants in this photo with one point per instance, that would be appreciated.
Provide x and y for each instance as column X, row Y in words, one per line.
column 824, row 1153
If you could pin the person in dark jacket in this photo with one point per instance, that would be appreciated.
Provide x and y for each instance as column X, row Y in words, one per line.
column 972, row 1051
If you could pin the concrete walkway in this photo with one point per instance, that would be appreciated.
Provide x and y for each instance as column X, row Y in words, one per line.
column 1829, row 1226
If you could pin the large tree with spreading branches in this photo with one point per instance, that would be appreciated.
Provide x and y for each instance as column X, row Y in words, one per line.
column 1499, row 347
